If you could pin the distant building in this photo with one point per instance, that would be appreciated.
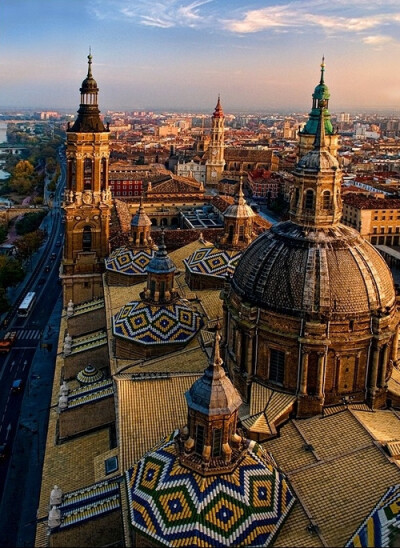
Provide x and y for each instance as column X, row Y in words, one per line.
column 376, row 219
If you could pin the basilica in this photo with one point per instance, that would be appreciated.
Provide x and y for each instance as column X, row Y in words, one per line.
column 239, row 389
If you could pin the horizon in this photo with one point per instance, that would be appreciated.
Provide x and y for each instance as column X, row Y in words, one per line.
column 177, row 55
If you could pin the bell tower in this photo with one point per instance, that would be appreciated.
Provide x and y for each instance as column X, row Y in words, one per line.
column 215, row 163
column 87, row 201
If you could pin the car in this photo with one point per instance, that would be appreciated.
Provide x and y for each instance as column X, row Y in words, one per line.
column 41, row 281
column 58, row 243
column 17, row 386
column 47, row 268
column 52, row 256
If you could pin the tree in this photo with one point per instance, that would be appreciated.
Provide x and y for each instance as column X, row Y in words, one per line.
column 11, row 271
column 29, row 243
column 29, row 222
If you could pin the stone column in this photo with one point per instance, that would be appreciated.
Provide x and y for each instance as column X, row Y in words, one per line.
column 238, row 349
column 382, row 373
column 374, row 370
column 320, row 378
column 249, row 353
column 304, row 372
column 395, row 345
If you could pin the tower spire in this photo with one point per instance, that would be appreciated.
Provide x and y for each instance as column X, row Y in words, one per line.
column 89, row 74
column 322, row 70
column 319, row 143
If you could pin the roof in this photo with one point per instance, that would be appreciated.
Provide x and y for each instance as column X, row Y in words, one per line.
column 361, row 201
column 149, row 324
column 129, row 261
column 336, row 469
column 295, row 269
column 178, row 507
column 159, row 396
column 381, row 528
column 211, row 261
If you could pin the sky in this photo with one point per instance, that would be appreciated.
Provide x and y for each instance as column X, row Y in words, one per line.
column 260, row 55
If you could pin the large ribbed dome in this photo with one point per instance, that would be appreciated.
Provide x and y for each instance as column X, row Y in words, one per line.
column 299, row 270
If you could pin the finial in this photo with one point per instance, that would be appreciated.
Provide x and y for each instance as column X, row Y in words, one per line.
column 217, row 361
column 322, row 69
column 90, row 62
column 240, row 195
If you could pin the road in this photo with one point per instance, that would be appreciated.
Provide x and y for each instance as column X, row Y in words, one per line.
column 34, row 332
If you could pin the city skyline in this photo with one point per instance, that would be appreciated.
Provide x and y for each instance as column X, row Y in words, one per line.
column 179, row 54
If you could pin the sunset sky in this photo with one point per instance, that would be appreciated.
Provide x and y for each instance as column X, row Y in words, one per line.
column 179, row 54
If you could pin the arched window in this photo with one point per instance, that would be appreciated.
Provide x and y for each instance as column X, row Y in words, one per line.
column 309, row 199
column 87, row 174
column 87, row 239
column 241, row 233
column 326, row 199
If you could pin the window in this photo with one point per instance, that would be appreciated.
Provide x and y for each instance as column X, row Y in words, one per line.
column 309, row 200
column 111, row 465
column 216, row 442
column 87, row 238
column 241, row 233
column 103, row 173
column 199, row 439
column 326, row 199
column 87, row 174
column 276, row 365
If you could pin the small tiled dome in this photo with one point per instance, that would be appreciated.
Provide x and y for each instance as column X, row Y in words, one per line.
column 89, row 374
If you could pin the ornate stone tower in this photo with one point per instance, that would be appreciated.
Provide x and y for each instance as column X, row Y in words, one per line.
column 215, row 163
column 141, row 228
column 307, row 134
column 87, row 201
column 312, row 309
column 238, row 224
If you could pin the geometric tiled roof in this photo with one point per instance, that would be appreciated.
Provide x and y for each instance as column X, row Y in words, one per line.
column 149, row 325
column 90, row 502
column 176, row 506
column 128, row 261
column 90, row 393
column 382, row 526
column 213, row 261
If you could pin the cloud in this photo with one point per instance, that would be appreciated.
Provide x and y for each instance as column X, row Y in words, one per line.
column 377, row 40
column 328, row 16
column 162, row 14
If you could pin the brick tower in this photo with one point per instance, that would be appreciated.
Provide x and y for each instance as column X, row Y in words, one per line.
column 87, row 202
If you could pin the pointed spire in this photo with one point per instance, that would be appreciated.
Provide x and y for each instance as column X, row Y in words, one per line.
column 218, row 112
column 319, row 142
column 89, row 74
column 240, row 196
column 217, row 360
column 322, row 69
column 162, row 250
